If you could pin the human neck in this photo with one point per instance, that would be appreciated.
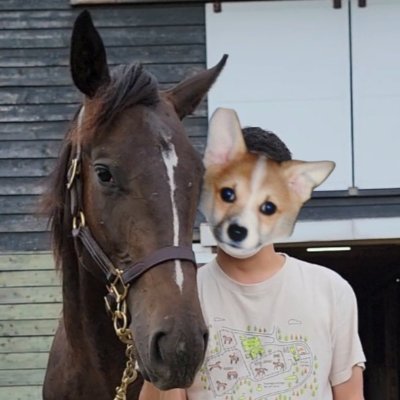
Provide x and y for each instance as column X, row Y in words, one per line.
column 257, row 268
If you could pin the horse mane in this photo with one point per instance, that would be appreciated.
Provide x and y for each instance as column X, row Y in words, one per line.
column 129, row 85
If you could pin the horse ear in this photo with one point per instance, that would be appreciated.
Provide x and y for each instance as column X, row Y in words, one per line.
column 302, row 177
column 88, row 56
column 187, row 94
column 225, row 138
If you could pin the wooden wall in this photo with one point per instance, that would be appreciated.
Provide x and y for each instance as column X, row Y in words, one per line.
column 30, row 298
column 37, row 98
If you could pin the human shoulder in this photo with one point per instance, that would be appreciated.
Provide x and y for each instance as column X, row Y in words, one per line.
column 204, row 269
column 318, row 275
column 205, row 272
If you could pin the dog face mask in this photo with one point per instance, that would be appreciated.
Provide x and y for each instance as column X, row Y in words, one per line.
column 251, row 201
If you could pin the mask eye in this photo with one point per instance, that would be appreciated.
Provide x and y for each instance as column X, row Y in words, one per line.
column 228, row 195
column 268, row 208
column 104, row 174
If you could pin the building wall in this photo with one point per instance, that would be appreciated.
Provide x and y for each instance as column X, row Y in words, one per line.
column 37, row 98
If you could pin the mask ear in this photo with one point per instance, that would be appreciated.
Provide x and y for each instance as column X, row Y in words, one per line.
column 225, row 139
column 187, row 95
column 302, row 177
column 88, row 56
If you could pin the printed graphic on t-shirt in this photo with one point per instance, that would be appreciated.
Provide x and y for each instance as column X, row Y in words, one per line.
column 259, row 365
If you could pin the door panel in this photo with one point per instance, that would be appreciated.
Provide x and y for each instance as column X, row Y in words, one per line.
column 288, row 71
column 376, row 93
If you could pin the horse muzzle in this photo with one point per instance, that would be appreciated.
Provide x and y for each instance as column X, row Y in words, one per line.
column 173, row 353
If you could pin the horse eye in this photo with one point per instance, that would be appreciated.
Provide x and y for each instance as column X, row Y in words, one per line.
column 104, row 174
column 228, row 195
column 268, row 208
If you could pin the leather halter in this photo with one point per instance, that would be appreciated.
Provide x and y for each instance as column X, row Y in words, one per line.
column 80, row 231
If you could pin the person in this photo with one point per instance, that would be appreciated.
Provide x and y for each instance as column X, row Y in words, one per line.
column 280, row 328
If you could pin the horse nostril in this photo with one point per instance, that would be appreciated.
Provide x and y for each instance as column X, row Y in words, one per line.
column 155, row 346
column 237, row 233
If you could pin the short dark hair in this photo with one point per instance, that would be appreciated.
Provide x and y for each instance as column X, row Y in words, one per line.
column 267, row 143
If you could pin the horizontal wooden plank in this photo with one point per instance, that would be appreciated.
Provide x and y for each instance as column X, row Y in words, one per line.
column 58, row 57
column 25, row 344
column 21, row 392
column 33, row 130
column 21, row 378
column 29, row 311
column 21, row 361
column 19, row 204
column 23, row 223
column 26, row 261
column 37, row 112
column 197, row 126
column 29, row 278
column 199, row 143
column 25, row 241
column 107, row 16
column 15, row 5
column 24, row 329
column 21, row 186
column 355, row 211
column 60, row 76
column 30, row 149
column 34, row 295
column 40, row 95
column 127, row 36
column 26, row 167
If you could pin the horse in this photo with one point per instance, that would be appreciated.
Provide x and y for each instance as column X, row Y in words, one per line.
column 122, row 201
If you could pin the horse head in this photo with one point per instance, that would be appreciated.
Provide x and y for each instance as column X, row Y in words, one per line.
column 139, row 183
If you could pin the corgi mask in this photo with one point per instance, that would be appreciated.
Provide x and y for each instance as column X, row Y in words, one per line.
column 251, row 201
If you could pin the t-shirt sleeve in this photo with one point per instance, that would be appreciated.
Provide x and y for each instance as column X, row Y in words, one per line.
column 347, row 348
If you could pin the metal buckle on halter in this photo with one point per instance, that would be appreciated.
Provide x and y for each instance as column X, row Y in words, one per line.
column 78, row 221
column 72, row 172
column 117, row 287
column 119, row 310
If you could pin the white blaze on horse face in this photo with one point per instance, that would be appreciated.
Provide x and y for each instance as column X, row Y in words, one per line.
column 171, row 161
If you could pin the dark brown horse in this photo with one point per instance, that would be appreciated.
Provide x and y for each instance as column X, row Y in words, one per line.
column 125, row 219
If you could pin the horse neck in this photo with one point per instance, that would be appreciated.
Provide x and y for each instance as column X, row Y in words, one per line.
column 88, row 327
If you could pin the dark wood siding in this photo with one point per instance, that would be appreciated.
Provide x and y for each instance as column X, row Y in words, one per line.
column 37, row 98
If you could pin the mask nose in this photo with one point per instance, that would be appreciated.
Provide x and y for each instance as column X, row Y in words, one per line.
column 237, row 233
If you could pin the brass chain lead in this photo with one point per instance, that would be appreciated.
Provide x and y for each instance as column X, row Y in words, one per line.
column 129, row 375
column 120, row 322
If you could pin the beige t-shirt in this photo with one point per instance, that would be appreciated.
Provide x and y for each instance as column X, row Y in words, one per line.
column 293, row 336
